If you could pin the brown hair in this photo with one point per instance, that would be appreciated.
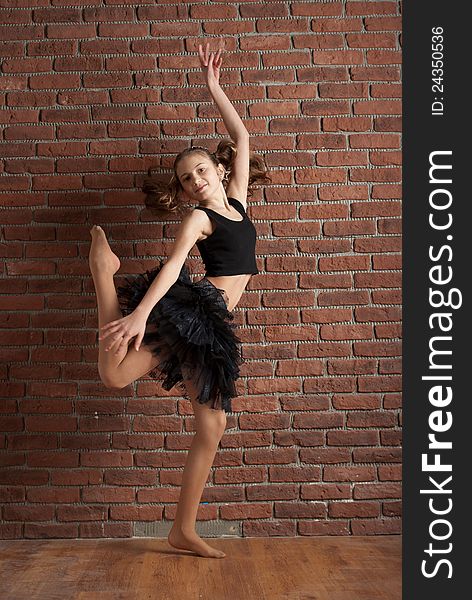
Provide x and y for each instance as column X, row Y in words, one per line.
column 162, row 193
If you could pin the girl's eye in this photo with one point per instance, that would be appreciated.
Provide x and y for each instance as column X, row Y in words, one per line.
column 200, row 169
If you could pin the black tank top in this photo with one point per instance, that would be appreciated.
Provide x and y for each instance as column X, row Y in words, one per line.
column 230, row 249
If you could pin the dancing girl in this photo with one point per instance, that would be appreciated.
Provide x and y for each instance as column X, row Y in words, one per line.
column 178, row 331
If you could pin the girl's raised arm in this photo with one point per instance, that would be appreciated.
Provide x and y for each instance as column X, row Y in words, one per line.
column 211, row 64
column 238, row 183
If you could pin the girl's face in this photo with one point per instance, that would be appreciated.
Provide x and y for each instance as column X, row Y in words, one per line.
column 198, row 177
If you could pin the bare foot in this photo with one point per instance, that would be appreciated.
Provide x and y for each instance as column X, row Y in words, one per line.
column 101, row 258
column 194, row 543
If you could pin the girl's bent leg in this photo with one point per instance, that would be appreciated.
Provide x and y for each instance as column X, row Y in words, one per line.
column 116, row 370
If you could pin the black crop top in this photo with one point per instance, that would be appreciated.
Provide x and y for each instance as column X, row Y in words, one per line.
column 230, row 249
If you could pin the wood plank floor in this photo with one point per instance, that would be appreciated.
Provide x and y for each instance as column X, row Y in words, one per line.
column 302, row 568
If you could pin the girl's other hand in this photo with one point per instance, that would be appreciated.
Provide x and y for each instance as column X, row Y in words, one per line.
column 210, row 63
column 123, row 330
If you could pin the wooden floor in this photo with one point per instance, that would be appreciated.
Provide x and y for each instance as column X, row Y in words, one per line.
column 302, row 568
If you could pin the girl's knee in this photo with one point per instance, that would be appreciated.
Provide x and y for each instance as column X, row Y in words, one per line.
column 210, row 423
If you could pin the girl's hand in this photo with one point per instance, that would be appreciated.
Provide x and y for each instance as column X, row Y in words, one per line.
column 210, row 65
column 122, row 330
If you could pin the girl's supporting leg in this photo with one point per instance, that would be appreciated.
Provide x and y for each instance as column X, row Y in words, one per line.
column 116, row 370
column 210, row 426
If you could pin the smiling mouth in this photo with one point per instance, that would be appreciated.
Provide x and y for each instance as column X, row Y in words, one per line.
column 201, row 188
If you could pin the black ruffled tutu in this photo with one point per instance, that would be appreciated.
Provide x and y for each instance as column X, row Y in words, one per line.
column 190, row 330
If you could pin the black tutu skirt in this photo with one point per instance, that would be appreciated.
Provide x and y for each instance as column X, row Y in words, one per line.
column 191, row 331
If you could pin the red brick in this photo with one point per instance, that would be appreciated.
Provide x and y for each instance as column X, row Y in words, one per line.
column 327, row 527
column 348, row 228
column 331, row 384
column 332, row 25
column 344, row 263
column 386, row 90
column 12, row 48
column 362, row 455
column 343, row 90
column 383, row 23
column 327, row 315
column 100, row 46
column 54, row 81
column 378, row 280
column 321, row 349
column 374, row 140
column 382, row 263
column 389, row 225
column 354, row 509
column 27, row 65
column 375, row 107
column 21, row 32
column 389, row 331
column 385, row 158
column 378, row 244
column 341, row 158
column 371, row 8
column 377, row 490
column 19, row 116
column 390, row 366
column 287, row 58
column 134, row 30
column 340, row 298
column 386, row 296
column 325, row 491
column 371, row 419
column 351, row 367
column 323, row 74
column 376, row 527
column 356, row 402
column 321, row 140
column 371, row 40
column 384, row 57
column 332, row 9
column 318, row 420
column 380, row 174
column 386, row 191
column 388, row 383
column 323, row 211
column 375, row 74
column 386, row 313
column 324, row 175
column 318, row 41
column 325, row 107
column 338, row 57
column 390, row 472
column 76, row 31
column 345, row 332
column 347, row 123
column 300, row 91
column 324, row 246
column 343, row 192
column 377, row 348
column 366, row 473
column 388, row 124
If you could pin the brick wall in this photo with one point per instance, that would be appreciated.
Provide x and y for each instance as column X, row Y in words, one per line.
column 94, row 95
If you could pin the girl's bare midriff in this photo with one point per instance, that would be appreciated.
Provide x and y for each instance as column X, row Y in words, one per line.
column 233, row 285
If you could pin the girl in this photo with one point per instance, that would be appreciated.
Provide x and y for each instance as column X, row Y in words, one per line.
column 183, row 330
